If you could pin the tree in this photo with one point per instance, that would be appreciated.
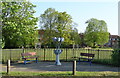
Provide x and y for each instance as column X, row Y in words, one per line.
column 18, row 24
column 75, row 36
column 47, row 23
column 56, row 24
column 96, row 32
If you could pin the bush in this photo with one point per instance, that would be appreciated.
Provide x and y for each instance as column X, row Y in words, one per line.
column 2, row 43
column 116, row 57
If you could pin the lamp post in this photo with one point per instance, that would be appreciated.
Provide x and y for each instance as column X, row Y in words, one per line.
column 58, row 51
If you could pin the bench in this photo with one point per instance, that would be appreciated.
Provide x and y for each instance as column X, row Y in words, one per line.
column 29, row 56
column 86, row 57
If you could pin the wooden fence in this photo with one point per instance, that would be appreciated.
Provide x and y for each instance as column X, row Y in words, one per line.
column 47, row 54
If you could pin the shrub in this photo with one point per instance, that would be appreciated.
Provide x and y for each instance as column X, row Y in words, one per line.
column 116, row 57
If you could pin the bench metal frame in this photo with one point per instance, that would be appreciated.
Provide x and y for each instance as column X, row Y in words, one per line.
column 87, row 56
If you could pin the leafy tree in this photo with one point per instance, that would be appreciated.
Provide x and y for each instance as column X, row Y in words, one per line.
column 18, row 24
column 47, row 23
column 1, row 43
column 56, row 24
column 75, row 36
column 96, row 32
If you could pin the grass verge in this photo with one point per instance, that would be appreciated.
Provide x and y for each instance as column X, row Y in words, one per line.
column 60, row 73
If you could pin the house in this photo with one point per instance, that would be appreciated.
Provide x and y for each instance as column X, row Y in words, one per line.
column 113, row 41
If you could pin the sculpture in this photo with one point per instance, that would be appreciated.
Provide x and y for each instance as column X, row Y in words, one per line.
column 58, row 51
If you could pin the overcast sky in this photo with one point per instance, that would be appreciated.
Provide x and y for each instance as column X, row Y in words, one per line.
column 84, row 10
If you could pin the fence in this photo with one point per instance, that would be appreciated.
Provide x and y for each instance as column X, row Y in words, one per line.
column 47, row 54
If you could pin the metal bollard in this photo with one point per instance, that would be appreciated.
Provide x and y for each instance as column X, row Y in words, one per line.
column 8, row 66
column 74, row 67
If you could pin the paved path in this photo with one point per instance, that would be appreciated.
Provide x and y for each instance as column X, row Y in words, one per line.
column 66, row 66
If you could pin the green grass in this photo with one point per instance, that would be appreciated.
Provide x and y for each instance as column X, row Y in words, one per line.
column 58, row 73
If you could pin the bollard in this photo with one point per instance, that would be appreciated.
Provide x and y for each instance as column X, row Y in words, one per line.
column 74, row 67
column 66, row 54
column 8, row 66
column 44, row 53
column 98, row 53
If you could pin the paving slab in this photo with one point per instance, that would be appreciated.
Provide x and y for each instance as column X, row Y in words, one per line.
column 66, row 66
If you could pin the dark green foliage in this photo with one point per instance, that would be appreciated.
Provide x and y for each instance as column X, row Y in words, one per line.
column 116, row 57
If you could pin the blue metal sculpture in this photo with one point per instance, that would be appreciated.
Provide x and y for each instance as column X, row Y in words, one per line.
column 58, row 51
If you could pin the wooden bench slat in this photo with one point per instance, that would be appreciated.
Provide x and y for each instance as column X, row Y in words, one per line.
column 87, row 54
column 29, row 55
column 86, row 58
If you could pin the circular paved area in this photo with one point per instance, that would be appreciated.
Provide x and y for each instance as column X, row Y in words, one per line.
column 66, row 66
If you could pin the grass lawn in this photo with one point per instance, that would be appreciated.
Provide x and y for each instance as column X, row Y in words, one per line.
column 59, row 73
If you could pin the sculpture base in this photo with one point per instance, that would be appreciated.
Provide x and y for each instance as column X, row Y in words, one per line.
column 57, row 63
